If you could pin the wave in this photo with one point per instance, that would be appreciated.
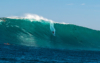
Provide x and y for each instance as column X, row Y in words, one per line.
column 48, row 34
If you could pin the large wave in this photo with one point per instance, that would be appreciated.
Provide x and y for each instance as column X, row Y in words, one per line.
column 37, row 32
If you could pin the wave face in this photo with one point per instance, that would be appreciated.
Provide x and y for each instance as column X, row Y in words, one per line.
column 38, row 33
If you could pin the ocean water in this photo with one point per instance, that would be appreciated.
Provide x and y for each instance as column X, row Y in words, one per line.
column 45, row 41
column 24, row 54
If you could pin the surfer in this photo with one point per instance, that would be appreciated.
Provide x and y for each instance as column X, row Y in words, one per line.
column 6, row 43
column 52, row 28
column 53, row 32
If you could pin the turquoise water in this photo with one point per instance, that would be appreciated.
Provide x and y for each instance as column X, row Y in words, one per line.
column 38, row 33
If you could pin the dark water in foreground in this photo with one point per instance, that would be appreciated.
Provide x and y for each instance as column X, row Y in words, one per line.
column 19, row 54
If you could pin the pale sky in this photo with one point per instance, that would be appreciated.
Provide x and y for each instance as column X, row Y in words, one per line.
column 80, row 12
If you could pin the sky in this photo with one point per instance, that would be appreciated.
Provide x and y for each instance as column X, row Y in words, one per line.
column 79, row 12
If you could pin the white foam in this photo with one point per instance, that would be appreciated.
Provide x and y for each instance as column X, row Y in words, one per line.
column 1, row 20
column 33, row 17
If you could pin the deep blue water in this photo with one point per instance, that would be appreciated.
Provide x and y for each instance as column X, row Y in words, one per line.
column 18, row 54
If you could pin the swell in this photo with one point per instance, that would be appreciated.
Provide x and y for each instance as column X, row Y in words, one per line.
column 38, row 33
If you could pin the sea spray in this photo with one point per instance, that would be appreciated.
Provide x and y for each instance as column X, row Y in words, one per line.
column 52, row 28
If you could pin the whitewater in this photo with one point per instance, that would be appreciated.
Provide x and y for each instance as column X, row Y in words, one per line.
column 37, row 31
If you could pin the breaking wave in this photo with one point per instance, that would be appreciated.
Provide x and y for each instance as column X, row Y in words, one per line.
column 40, row 32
